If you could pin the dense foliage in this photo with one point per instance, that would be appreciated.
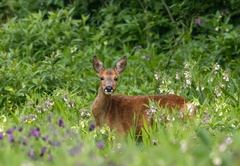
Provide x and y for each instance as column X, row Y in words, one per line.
column 189, row 48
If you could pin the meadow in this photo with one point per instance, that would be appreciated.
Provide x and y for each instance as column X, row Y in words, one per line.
column 48, row 83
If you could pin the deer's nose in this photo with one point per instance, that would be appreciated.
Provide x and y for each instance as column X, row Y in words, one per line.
column 108, row 89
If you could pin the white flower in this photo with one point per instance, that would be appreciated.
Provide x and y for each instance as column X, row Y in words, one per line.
column 177, row 77
column 222, row 147
column 217, row 161
column 184, row 147
column 216, row 67
column 156, row 76
column 228, row 140
column 188, row 82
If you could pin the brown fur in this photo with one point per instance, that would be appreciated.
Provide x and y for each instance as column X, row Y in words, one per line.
column 119, row 111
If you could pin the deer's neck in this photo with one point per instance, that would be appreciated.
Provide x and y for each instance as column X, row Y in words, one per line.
column 100, row 106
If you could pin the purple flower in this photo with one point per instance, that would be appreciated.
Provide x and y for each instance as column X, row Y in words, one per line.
column 60, row 123
column 198, row 21
column 50, row 157
column 35, row 132
column 46, row 138
column 92, row 126
column 70, row 132
column 100, row 145
column 10, row 131
column 10, row 138
column 31, row 152
column 1, row 136
column 55, row 143
column 23, row 140
column 43, row 150
column 75, row 150
column 20, row 129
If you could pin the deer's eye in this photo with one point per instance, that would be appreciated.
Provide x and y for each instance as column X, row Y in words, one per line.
column 115, row 79
column 102, row 78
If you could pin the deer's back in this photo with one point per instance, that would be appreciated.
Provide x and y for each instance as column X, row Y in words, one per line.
column 125, row 110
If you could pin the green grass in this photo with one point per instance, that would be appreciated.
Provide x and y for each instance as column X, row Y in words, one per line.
column 211, row 138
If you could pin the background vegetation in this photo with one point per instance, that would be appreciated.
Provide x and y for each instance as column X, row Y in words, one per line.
column 189, row 48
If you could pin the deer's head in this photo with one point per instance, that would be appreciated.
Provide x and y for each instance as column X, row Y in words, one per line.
column 109, row 77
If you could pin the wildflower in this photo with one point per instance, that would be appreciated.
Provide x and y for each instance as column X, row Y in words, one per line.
column 10, row 138
column 10, row 131
column 70, row 104
column 73, row 49
column 138, row 48
column 188, row 82
column 103, row 131
column 48, row 104
column 154, row 142
column 65, row 98
column 43, row 150
column 10, row 89
column 228, row 140
column 216, row 67
column 218, row 91
column 147, row 57
column 156, row 76
column 225, row 76
column 50, row 157
column 187, row 74
column 29, row 121
column 222, row 147
column 177, row 77
column 11, row 108
column 9, row 101
column 198, row 21
column 100, row 145
column 54, row 143
column 206, row 118
column 45, row 138
column 184, row 147
column 187, row 65
column 31, row 153
column 217, row 161
column 35, row 132
column 60, row 123
column 49, row 116
column 32, row 117
column 205, row 70
column 153, row 109
column 23, row 140
column 92, row 126
column 30, row 103
column 75, row 150
column 20, row 129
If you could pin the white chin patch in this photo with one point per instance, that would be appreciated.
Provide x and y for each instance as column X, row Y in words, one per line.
column 108, row 93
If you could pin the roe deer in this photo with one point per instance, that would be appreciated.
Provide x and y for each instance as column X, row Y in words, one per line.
column 119, row 111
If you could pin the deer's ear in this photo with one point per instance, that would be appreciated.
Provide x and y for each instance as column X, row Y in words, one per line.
column 97, row 64
column 121, row 65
